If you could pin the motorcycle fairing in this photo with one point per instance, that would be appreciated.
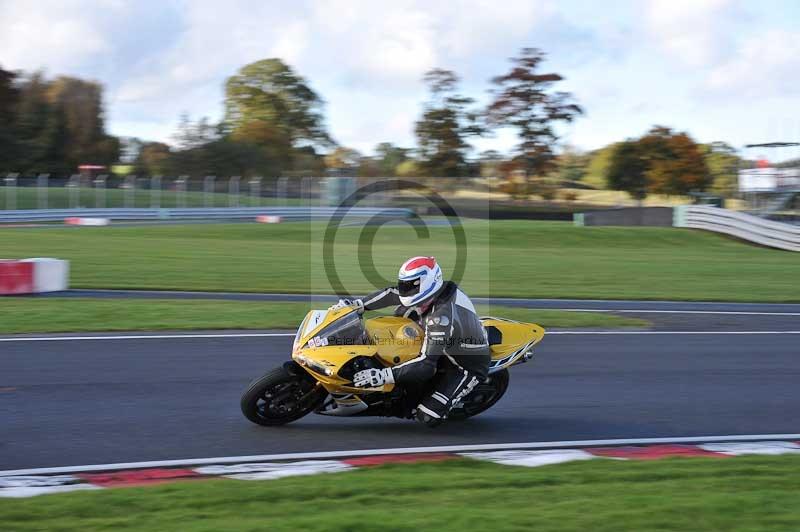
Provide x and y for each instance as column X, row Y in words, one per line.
column 392, row 340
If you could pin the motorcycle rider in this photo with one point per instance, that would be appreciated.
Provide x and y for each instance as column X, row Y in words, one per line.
column 455, row 343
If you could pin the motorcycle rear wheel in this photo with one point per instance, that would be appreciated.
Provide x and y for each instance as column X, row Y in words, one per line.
column 280, row 397
column 483, row 397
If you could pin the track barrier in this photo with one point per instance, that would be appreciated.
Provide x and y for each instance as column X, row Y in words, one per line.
column 740, row 225
column 206, row 213
column 33, row 276
column 737, row 224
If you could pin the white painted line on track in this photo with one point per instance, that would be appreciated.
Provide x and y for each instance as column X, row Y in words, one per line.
column 627, row 301
column 671, row 332
column 268, row 335
column 639, row 311
column 401, row 450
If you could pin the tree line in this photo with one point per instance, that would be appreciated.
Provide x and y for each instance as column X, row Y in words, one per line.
column 274, row 124
column 52, row 126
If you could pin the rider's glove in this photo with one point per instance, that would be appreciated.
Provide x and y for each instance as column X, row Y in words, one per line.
column 373, row 378
column 355, row 303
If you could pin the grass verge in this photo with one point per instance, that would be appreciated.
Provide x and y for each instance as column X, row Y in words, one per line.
column 504, row 258
column 745, row 494
column 19, row 315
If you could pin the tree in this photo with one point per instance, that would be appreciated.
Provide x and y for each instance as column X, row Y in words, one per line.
column 269, row 99
column 343, row 160
column 190, row 135
column 38, row 129
column 389, row 157
column 78, row 107
column 408, row 168
column 676, row 164
column 627, row 169
column 523, row 99
column 597, row 170
column 9, row 98
column 275, row 147
column 572, row 164
column 490, row 162
column 368, row 167
column 153, row 159
column 445, row 125
column 723, row 164
column 194, row 155
column 306, row 161
column 60, row 124
column 661, row 161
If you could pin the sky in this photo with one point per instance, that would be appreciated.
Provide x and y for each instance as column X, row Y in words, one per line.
column 718, row 69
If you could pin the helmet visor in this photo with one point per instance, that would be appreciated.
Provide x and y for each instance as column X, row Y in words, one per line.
column 409, row 287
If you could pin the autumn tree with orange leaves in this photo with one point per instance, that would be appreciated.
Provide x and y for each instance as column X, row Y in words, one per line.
column 660, row 162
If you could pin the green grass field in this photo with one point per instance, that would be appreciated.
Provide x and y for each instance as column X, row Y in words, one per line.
column 504, row 258
column 86, row 197
column 745, row 494
column 71, row 315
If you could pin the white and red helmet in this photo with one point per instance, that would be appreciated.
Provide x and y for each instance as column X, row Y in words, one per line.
column 420, row 278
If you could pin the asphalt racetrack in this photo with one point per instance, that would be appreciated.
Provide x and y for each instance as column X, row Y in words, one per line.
column 112, row 399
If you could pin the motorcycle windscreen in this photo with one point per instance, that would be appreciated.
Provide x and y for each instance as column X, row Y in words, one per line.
column 344, row 331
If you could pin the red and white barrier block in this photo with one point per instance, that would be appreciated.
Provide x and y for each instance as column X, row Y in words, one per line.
column 91, row 222
column 33, row 276
column 268, row 219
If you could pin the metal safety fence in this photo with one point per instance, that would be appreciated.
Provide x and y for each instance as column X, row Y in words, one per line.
column 201, row 213
column 43, row 191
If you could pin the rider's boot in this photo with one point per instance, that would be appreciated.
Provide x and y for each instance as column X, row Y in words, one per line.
column 455, row 384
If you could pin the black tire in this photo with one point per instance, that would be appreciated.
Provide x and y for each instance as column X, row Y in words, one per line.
column 483, row 397
column 280, row 397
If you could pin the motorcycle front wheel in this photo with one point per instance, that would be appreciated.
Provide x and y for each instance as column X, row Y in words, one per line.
column 280, row 397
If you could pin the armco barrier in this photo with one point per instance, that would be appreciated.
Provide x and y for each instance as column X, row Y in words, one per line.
column 220, row 213
column 744, row 226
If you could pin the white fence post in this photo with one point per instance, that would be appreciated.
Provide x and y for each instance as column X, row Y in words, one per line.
column 42, row 182
column 155, row 192
column 73, row 191
column 233, row 191
column 208, row 190
column 281, row 189
column 11, row 195
column 180, row 191
column 255, row 190
column 305, row 190
column 100, row 191
column 130, row 191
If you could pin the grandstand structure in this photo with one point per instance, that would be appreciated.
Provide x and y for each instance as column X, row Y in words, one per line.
column 771, row 185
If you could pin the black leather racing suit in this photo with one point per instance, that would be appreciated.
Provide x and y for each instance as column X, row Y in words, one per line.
column 455, row 343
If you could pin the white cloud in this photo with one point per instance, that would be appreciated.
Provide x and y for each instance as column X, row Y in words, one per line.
column 292, row 42
column 694, row 32
column 159, row 58
column 372, row 43
column 52, row 34
column 366, row 58
column 477, row 24
column 766, row 64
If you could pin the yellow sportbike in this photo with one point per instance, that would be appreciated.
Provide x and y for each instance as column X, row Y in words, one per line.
column 332, row 345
